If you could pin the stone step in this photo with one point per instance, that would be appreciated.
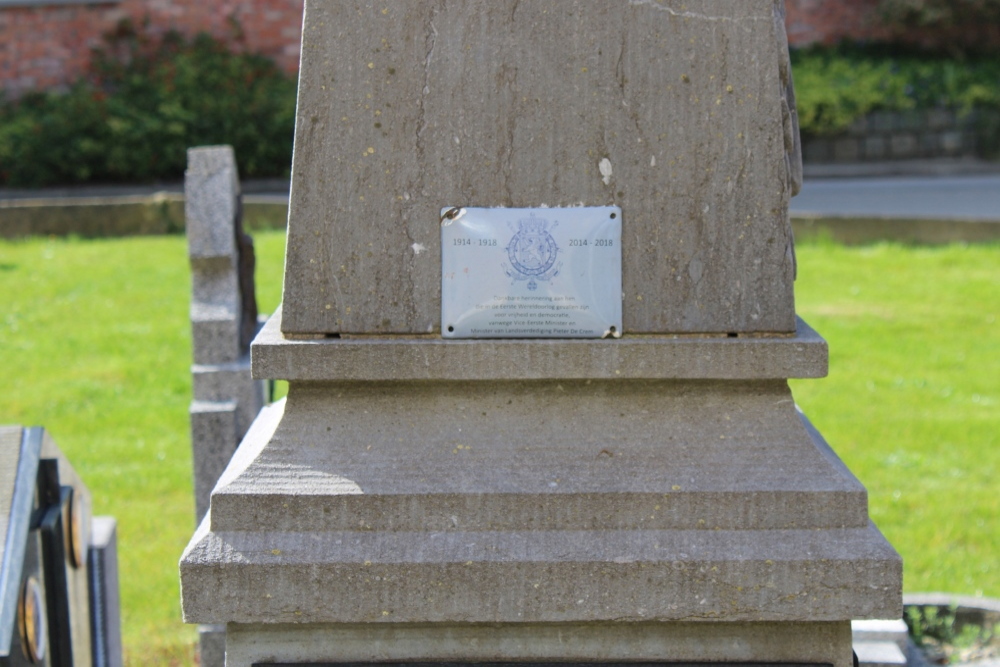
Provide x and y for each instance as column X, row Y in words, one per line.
column 491, row 456
column 538, row 576
column 634, row 357
column 882, row 630
column 873, row 653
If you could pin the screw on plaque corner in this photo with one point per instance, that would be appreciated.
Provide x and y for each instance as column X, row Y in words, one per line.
column 451, row 215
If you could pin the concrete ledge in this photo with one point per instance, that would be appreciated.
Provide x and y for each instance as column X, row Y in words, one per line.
column 702, row 470
column 881, row 630
column 374, row 358
column 879, row 654
column 159, row 213
column 888, row 168
column 539, row 576
column 793, row 644
column 211, row 645
column 163, row 213
column 856, row 230
column 121, row 215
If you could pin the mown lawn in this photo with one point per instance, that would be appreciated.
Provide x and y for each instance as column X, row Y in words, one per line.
column 95, row 345
column 912, row 402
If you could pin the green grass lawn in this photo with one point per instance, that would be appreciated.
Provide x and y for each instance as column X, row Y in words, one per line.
column 912, row 402
column 96, row 347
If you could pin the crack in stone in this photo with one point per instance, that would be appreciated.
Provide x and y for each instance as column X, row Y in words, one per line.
column 510, row 79
column 633, row 114
column 790, row 131
column 417, row 186
column 620, row 65
column 694, row 15
column 431, row 42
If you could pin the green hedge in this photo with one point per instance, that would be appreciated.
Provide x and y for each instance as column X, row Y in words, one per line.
column 835, row 86
column 143, row 103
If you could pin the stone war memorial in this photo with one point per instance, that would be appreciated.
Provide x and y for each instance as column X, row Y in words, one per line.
column 538, row 321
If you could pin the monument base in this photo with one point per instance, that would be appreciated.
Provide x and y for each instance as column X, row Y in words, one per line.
column 211, row 645
column 676, row 514
column 793, row 643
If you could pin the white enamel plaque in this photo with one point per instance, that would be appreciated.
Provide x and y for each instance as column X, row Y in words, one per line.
column 531, row 272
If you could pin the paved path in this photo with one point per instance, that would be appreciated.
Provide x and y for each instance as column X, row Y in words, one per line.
column 949, row 197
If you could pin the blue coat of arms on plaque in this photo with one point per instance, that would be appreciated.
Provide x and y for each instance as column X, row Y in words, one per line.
column 531, row 272
column 532, row 252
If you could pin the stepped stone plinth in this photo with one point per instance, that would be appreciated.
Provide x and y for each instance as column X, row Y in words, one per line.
column 655, row 497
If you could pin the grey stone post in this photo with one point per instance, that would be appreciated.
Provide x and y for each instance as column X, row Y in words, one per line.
column 651, row 498
column 223, row 321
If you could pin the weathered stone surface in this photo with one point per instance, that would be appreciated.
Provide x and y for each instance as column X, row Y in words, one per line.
column 882, row 630
column 879, row 654
column 246, row 262
column 553, row 576
column 223, row 315
column 221, row 254
column 211, row 191
column 102, row 216
column 514, row 455
column 213, row 441
column 211, row 645
column 230, row 382
column 788, row 643
column 215, row 335
column 406, row 108
column 500, row 500
column 376, row 358
column 353, row 502
column 789, row 110
column 121, row 215
column 212, row 205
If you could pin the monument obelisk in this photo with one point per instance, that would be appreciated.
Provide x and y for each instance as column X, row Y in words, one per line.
column 647, row 496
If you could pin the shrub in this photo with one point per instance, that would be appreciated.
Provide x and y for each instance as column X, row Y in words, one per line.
column 144, row 102
column 835, row 86
column 940, row 13
column 949, row 26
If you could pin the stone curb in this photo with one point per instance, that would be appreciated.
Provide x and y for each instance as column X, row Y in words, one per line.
column 163, row 213
column 861, row 229
column 947, row 599
column 129, row 215
column 891, row 168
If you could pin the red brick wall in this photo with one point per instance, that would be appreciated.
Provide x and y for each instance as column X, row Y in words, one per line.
column 46, row 47
column 830, row 21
